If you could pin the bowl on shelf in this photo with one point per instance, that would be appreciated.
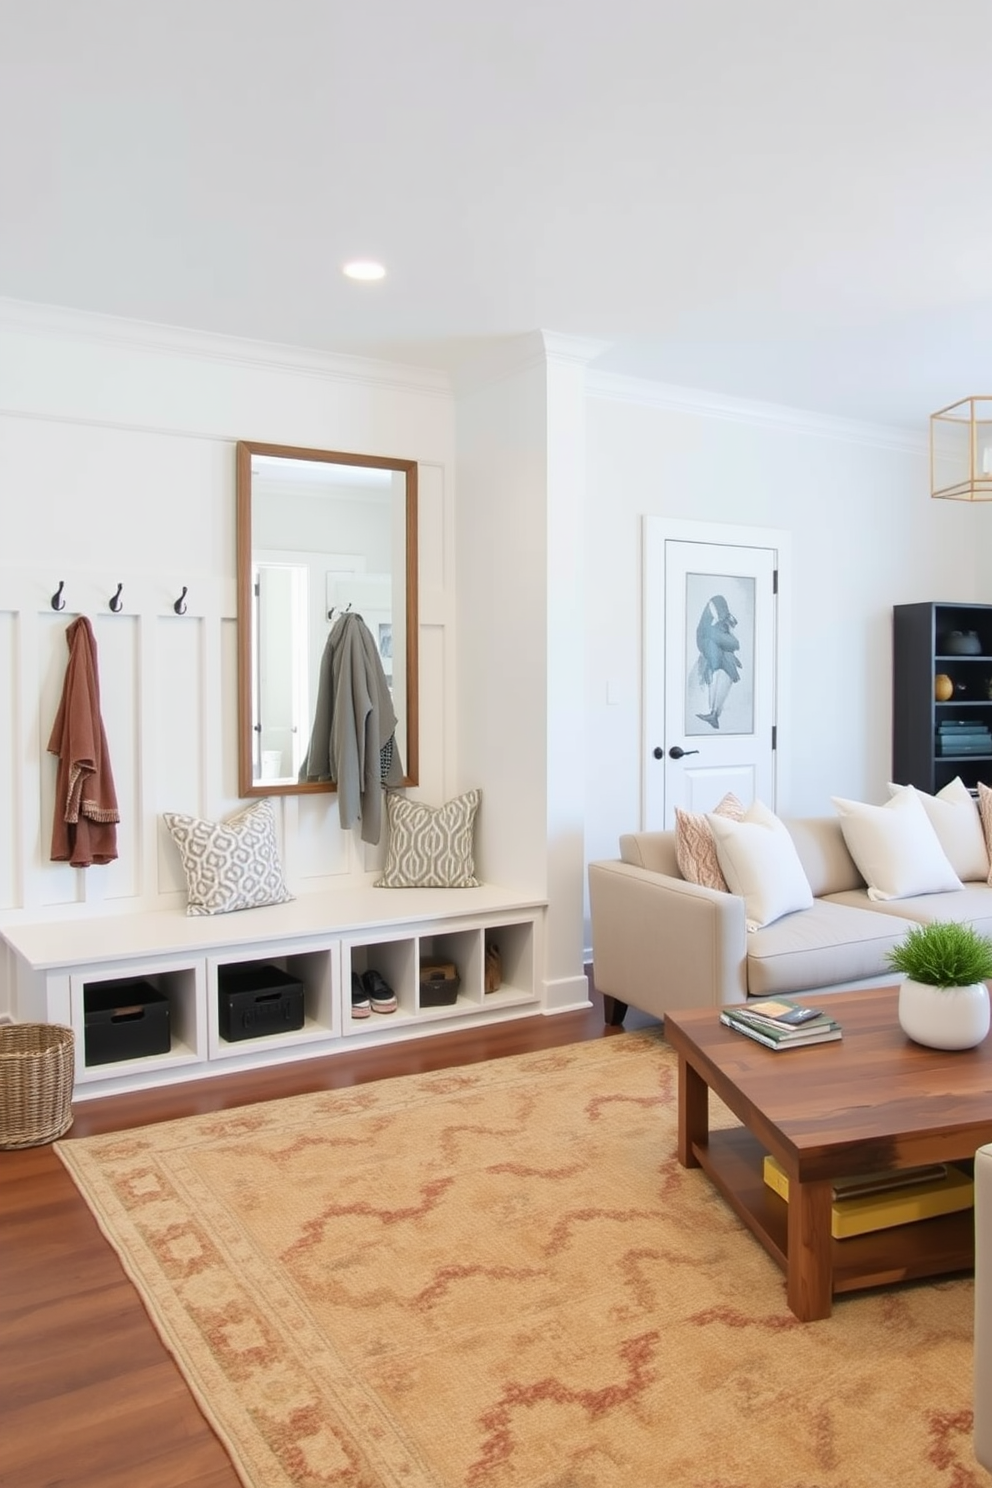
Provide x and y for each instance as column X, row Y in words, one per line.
column 963, row 643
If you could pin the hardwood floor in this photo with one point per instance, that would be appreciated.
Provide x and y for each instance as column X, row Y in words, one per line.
column 89, row 1397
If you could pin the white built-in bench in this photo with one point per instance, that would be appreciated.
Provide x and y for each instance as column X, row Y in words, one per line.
column 319, row 938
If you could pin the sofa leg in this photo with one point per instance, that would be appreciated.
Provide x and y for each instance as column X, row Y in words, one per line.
column 614, row 1011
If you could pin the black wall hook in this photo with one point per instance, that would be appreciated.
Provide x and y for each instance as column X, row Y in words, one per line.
column 180, row 604
column 58, row 603
column 115, row 600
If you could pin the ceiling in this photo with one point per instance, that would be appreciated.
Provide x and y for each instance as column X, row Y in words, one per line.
column 772, row 200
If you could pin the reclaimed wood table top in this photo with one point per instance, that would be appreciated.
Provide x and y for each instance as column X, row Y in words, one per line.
column 849, row 1106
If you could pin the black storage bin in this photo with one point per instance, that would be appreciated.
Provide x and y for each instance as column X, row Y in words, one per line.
column 255, row 999
column 124, row 1019
column 439, row 983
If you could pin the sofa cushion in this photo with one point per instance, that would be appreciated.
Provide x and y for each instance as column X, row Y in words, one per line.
column 694, row 845
column 954, row 816
column 895, row 847
column 824, row 946
column 760, row 863
column 971, row 904
column 823, row 853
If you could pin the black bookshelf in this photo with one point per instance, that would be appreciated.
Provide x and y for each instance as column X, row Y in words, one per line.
column 921, row 755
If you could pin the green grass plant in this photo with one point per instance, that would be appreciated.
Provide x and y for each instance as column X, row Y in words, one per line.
column 944, row 954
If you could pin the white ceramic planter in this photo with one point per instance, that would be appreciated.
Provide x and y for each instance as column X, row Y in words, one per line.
column 944, row 1017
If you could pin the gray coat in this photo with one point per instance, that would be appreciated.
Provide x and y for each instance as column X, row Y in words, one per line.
column 354, row 722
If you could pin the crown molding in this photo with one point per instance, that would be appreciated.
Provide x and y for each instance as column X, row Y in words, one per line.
column 505, row 358
column 509, row 356
column 619, row 388
column 497, row 361
column 580, row 350
column 31, row 318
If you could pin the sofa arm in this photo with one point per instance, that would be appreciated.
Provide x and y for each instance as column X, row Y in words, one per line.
column 659, row 942
column 982, row 1437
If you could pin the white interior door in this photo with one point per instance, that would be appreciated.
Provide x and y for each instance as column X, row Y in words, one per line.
column 710, row 672
column 280, row 693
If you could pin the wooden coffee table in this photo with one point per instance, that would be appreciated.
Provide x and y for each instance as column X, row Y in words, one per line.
column 870, row 1101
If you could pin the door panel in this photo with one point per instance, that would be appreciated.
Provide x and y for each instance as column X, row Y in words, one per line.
column 704, row 785
column 710, row 646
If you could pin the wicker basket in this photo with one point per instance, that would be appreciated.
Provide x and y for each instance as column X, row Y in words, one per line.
column 36, row 1069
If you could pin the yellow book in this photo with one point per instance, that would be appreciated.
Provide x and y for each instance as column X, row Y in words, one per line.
column 880, row 1211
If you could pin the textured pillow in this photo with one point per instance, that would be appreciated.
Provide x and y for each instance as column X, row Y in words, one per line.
column 954, row 817
column 985, row 815
column 229, row 865
column 895, row 847
column 760, row 862
column 430, row 847
column 694, row 845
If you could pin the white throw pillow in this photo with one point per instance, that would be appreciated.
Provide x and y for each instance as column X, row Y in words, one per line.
column 229, row 865
column 759, row 861
column 953, row 814
column 895, row 847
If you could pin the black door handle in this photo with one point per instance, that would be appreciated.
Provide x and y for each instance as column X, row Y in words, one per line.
column 676, row 753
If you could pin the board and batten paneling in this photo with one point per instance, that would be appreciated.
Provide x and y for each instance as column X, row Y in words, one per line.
column 168, row 692
column 166, row 682
column 117, row 465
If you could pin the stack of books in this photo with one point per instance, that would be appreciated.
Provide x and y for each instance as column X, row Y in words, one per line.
column 781, row 1023
column 958, row 736
column 878, row 1201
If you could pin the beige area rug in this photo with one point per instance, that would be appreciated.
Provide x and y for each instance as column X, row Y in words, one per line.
column 498, row 1276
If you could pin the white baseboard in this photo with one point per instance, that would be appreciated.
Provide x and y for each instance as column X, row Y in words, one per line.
column 566, row 994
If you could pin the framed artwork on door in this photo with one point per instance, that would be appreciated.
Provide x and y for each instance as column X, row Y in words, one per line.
column 719, row 662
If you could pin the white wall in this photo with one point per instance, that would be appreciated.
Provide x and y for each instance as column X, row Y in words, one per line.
column 117, row 464
column 521, row 470
column 502, row 624
column 865, row 536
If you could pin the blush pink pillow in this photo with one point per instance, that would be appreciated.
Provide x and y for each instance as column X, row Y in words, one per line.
column 694, row 845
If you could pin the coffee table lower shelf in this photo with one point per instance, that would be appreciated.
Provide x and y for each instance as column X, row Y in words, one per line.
column 732, row 1160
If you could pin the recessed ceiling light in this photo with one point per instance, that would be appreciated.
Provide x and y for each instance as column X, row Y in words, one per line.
column 364, row 268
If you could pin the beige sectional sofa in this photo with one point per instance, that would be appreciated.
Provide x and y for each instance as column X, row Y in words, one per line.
column 660, row 942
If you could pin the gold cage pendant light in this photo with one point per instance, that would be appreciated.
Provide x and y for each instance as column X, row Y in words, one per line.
column 961, row 451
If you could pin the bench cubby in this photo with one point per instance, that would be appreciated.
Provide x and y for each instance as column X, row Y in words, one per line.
column 319, row 939
column 395, row 959
column 182, row 985
column 516, row 950
column 312, row 965
column 399, row 959
column 464, row 949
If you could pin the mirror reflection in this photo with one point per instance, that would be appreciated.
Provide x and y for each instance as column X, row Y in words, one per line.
column 326, row 554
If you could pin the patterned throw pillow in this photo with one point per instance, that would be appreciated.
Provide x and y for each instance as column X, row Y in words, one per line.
column 985, row 813
column 229, row 865
column 695, row 849
column 430, row 847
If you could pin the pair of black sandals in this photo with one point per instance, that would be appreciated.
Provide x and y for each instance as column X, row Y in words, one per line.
column 371, row 993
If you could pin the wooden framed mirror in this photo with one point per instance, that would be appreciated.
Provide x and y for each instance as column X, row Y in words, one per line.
column 319, row 534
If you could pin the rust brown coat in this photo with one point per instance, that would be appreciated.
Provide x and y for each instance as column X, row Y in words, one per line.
column 84, row 830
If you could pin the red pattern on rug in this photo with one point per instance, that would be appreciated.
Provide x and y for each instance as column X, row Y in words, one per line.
column 501, row 1277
